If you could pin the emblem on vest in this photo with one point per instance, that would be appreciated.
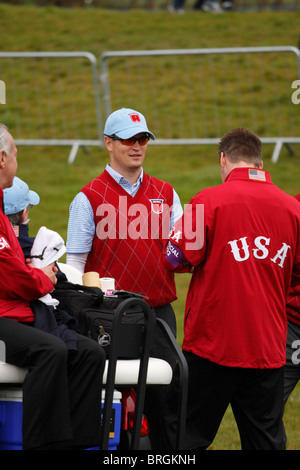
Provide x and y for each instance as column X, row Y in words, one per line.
column 157, row 205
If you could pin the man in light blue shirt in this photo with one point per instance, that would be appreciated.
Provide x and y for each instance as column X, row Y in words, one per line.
column 82, row 221
column 126, row 137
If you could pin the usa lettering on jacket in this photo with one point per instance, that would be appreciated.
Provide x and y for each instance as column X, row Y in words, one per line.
column 241, row 252
column 3, row 243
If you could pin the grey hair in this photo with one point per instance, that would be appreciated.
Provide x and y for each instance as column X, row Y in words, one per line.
column 5, row 143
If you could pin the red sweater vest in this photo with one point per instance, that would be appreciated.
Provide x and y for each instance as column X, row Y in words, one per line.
column 130, row 233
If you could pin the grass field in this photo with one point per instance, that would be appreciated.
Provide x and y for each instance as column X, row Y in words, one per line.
column 189, row 169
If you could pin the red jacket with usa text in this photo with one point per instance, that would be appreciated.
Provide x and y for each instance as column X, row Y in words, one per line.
column 20, row 283
column 243, row 240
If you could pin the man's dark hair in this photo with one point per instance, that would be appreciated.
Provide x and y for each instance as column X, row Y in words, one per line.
column 15, row 219
column 241, row 145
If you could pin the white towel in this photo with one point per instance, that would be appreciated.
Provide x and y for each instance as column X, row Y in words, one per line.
column 47, row 248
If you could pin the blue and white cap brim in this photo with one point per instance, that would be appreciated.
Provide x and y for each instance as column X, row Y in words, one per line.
column 34, row 198
column 127, row 133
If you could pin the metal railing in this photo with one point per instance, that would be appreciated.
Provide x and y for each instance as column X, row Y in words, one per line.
column 52, row 98
column 189, row 96
column 193, row 96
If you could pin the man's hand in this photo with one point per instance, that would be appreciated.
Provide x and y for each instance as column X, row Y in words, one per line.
column 51, row 271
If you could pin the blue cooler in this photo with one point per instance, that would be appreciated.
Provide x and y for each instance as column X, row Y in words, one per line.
column 11, row 416
column 115, row 421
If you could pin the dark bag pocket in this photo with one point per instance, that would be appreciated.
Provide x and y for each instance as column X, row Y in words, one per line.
column 98, row 325
column 74, row 298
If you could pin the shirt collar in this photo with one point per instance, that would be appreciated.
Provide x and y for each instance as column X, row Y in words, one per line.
column 121, row 179
column 249, row 174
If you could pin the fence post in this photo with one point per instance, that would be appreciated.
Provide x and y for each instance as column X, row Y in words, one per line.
column 41, row 82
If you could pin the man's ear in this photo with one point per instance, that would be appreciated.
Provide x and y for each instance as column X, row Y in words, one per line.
column 108, row 143
column 223, row 159
column 261, row 165
column 2, row 158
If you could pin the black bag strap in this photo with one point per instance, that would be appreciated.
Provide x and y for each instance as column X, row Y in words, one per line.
column 124, row 294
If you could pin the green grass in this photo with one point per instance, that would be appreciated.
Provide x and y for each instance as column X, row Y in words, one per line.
column 188, row 168
column 154, row 4
column 99, row 30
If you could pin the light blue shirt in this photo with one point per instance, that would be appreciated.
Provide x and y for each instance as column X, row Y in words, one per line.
column 81, row 226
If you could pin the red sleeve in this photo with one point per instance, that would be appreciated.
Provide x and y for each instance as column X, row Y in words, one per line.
column 18, row 280
column 187, row 238
column 174, row 259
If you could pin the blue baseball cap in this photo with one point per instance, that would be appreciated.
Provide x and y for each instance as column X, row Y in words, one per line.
column 126, row 123
column 18, row 197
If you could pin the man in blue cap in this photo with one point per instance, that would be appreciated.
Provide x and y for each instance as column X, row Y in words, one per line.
column 120, row 220
column 18, row 200
column 19, row 197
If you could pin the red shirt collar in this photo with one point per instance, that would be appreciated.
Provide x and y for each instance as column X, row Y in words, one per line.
column 249, row 174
